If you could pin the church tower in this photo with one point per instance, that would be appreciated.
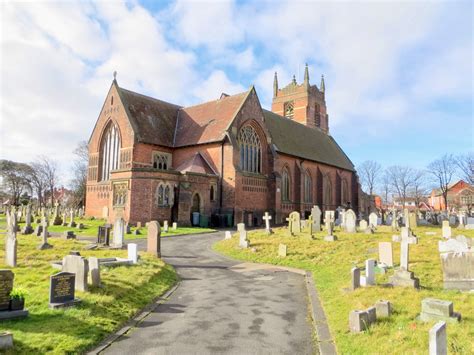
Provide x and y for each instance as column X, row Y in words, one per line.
column 303, row 103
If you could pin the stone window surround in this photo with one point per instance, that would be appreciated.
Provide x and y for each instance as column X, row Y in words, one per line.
column 164, row 195
column 164, row 158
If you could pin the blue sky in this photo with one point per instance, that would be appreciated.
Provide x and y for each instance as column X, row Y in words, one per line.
column 399, row 75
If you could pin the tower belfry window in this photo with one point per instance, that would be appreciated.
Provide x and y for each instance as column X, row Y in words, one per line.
column 289, row 109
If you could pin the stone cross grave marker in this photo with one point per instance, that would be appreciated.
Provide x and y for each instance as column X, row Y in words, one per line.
column 44, row 238
column 403, row 276
column 62, row 290
column 119, row 230
column 78, row 266
column 406, row 217
column 28, row 229
column 294, row 222
column 328, row 218
column 71, row 218
column 350, row 221
column 267, row 218
column 310, row 225
column 316, row 213
column 153, row 239
column 373, row 219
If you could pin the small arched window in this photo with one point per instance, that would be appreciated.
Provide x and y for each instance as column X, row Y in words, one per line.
column 212, row 193
column 250, row 150
column 327, row 191
column 289, row 109
column 308, row 186
column 160, row 195
column 167, row 196
column 110, row 151
column 285, row 185
column 317, row 116
column 111, row 101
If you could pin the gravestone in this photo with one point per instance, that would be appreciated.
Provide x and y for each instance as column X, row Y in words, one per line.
column 446, row 229
column 372, row 314
column 369, row 278
column 267, row 218
column 11, row 242
column 386, row 253
column 240, row 227
column 373, row 219
column 78, row 266
column 330, row 237
column 69, row 235
column 139, row 225
column 119, row 229
column 94, row 270
column 27, row 229
column 165, row 227
column 128, row 229
column 355, row 278
column 6, row 340
column 316, row 214
column 328, row 218
column 62, row 290
column 72, row 224
column 453, row 245
column 57, row 221
column 153, row 239
column 438, row 341
column 402, row 276
column 358, row 321
column 294, row 222
column 350, row 221
column 174, row 226
column 458, row 271
column 243, row 241
column 44, row 238
column 132, row 250
column 6, row 286
column 384, row 309
column 363, row 225
column 228, row 235
column 282, row 250
column 435, row 310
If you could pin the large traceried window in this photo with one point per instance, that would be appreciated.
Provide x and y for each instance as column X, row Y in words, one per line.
column 285, row 185
column 327, row 191
column 250, row 150
column 289, row 108
column 308, row 186
column 110, row 151
column 164, row 195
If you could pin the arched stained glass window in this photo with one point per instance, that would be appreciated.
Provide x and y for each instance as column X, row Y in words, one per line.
column 285, row 185
column 110, row 151
column 160, row 195
column 250, row 150
column 308, row 186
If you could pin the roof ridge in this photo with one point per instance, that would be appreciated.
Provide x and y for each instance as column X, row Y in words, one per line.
column 211, row 101
column 149, row 97
column 295, row 122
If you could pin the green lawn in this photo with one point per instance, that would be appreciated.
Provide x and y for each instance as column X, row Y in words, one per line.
column 91, row 228
column 125, row 290
column 331, row 263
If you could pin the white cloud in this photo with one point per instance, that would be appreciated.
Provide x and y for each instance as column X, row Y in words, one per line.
column 215, row 85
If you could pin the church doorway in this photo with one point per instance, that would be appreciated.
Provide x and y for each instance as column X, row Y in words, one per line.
column 195, row 208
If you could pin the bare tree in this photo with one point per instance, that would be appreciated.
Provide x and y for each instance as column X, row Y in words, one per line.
column 38, row 181
column 79, row 181
column 15, row 179
column 385, row 185
column 418, row 189
column 443, row 170
column 369, row 172
column 401, row 179
column 49, row 170
column 465, row 163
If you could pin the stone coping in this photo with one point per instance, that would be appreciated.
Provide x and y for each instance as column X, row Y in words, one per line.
column 6, row 315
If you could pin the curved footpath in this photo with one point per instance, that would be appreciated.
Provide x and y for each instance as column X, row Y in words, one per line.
column 222, row 307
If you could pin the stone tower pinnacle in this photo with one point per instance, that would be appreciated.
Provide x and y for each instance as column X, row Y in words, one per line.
column 275, row 85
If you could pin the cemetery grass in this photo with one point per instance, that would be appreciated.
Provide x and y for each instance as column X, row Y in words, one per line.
column 331, row 263
column 125, row 290
column 91, row 227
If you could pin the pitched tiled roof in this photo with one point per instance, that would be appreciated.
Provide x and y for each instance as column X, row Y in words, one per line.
column 153, row 120
column 207, row 122
column 295, row 139
column 196, row 164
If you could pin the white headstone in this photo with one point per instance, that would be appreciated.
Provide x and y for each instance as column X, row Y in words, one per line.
column 94, row 270
column 79, row 266
column 243, row 241
column 165, row 227
column 132, row 249
column 350, row 221
column 228, row 235
column 446, row 229
column 267, row 219
column 119, row 231
column 453, row 245
column 175, row 226
column 438, row 341
column 373, row 219
column 386, row 253
column 369, row 278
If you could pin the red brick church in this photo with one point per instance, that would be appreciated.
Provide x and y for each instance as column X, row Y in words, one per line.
column 228, row 159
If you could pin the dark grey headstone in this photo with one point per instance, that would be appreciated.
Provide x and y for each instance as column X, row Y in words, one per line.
column 6, row 285
column 62, row 288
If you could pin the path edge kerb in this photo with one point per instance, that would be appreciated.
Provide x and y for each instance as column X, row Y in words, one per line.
column 324, row 340
column 133, row 321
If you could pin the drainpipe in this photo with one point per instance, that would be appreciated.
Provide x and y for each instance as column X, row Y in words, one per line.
column 222, row 176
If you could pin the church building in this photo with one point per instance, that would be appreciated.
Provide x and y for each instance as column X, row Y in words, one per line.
column 230, row 160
